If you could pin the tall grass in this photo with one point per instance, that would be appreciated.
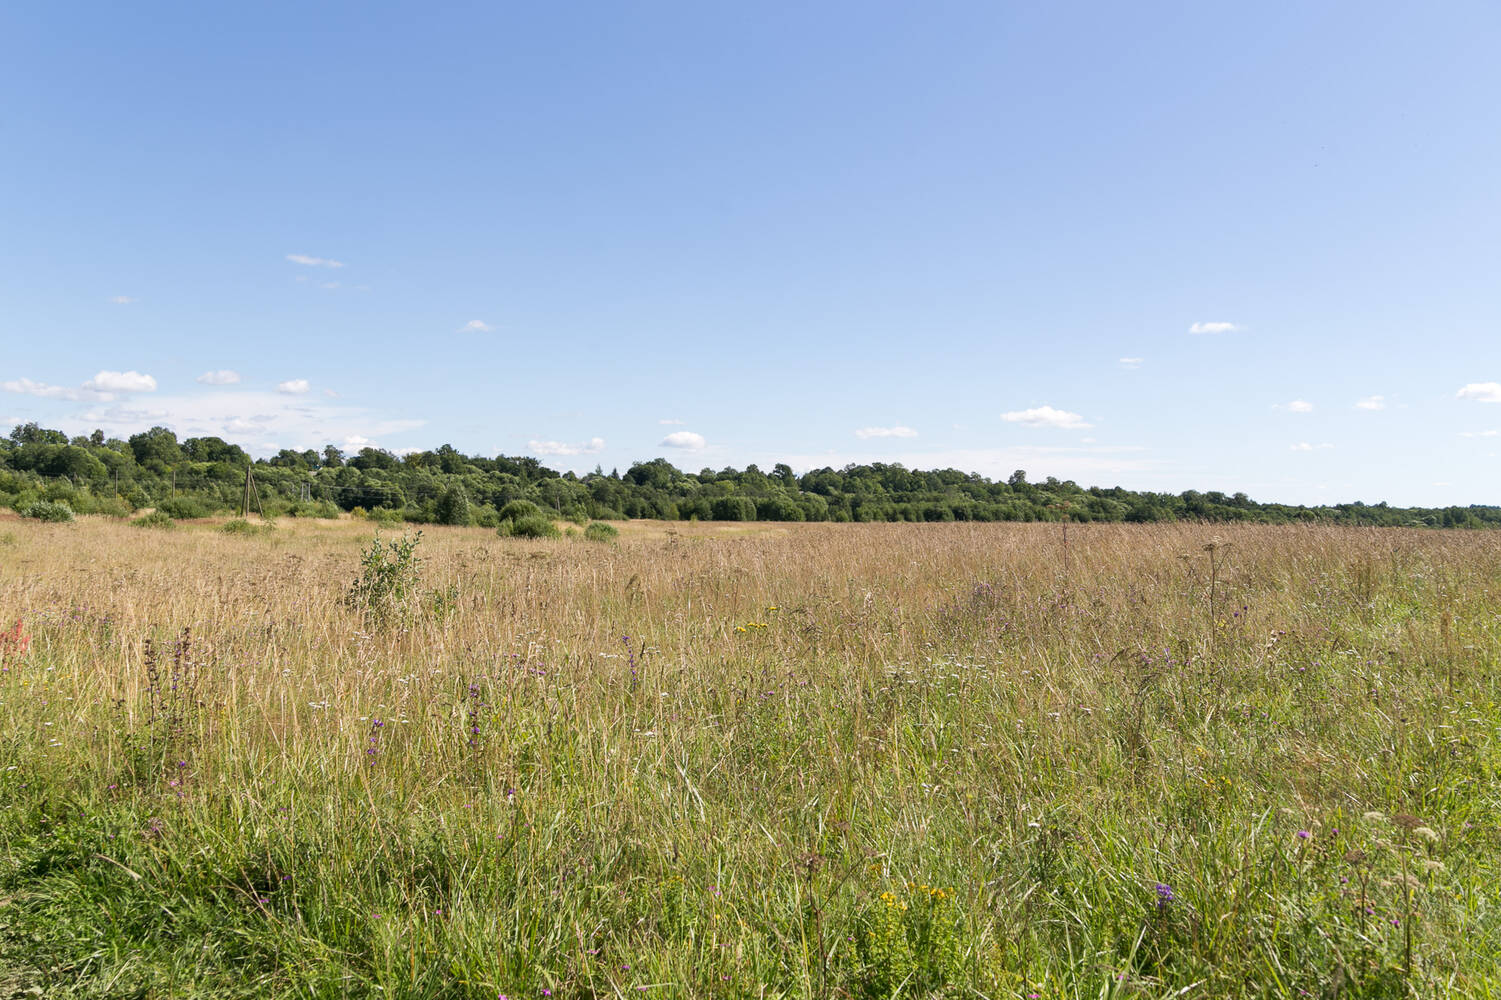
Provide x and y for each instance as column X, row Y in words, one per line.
column 804, row 761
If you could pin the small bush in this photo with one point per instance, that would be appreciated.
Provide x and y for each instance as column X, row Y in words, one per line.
column 155, row 519
column 240, row 526
column 535, row 526
column 321, row 509
column 112, row 507
column 183, row 508
column 384, row 515
column 387, row 586
column 486, row 516
column 54, row 511
column 601, row 532
column 517, row 509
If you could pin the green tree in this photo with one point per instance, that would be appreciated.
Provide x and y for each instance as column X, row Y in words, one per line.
column 453, row 506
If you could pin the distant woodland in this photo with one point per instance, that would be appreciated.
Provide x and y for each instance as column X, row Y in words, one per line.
column 206, row 476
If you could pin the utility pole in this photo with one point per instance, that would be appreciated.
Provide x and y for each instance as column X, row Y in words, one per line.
column 250, row 491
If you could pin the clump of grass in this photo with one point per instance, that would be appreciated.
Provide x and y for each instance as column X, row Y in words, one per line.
column 155, row 519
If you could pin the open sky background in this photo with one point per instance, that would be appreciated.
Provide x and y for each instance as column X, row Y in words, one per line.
column 1166, row 246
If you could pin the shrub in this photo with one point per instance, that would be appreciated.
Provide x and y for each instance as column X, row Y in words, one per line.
column 517, row 509
column 240, row 526
column 601, row 532
column 184, row 507
column 388, row 582
column 49, row 510
column 322, row 509
column 486, row 516
column 535, row 526
column 384, row 515
column 111, row 506
column 155, row 519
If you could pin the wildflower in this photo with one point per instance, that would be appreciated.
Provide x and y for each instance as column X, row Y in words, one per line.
column 1165, row 895
column 1427, row 833
column 1304, row 835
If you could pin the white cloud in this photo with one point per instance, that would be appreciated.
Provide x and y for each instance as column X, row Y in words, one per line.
column 27, row 387
column 588, row 447
column 866, row 433
column 249, row 417
column 671, row 423
column 476, row 326
column 131, row 381
column 1480, row 434
column 330, row 284
column 293, row 387
column 330, row 393
column 302, row 258
column 1130, row 364
column 1305, row 446
column 222, row 376
column 1371, row 403
column 1298, row 406
column 357, row 441
column 1046, row 416
column 686, row 440
column 1214, row 327
column 1484, row 392
column 121, row 300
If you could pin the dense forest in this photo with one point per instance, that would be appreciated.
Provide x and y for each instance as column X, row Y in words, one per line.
column 203, row 476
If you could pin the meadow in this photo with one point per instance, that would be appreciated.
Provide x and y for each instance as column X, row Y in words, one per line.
column 807, row 760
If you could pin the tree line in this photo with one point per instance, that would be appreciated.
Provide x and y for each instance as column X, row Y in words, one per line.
column 203, row 476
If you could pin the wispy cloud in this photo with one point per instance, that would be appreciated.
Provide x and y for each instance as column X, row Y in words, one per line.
column 122, row 300
column 865, row 433
column 1214, row 327
column 1482, row 392
column 1130, row 364
column 671, row 423
column 304, row 259
column 1371, row 403
column 684, row 440
column 131, row 381
column 1047, row 416
column 476, row 326
column 1296, row 406
column 1480, row 434
column 100, row 389
column 253, row 418
column 589, row 447
column 1305, row 446
column 293, row 387
column 27, row 387
column 222, row 376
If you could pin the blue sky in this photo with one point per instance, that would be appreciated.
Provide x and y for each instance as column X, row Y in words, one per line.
column 978, row 235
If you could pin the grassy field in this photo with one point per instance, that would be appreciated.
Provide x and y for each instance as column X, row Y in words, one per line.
column 710, row 761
